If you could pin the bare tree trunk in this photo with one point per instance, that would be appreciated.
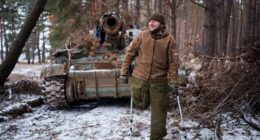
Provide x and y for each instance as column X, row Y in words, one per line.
column 244, row 13
column 155, row 6
column 27, row 53
column 33, row 47
column 92, row 12
column 38, row 45
column 148, row 8
column 252, row 15
column 103, row 6
column 180, row 38
column 43, row 46
column 224, row 12
column 235, row 28
column 137, row 11
column 186, row 18
column 210, row 28
column 16, row 49
column 43, row 51
column 172, row 4
column 131, row 6
column 13, row 30
column 242, row 22
column 258, row 18
column 33, row 55
column 125, row 5
column 159, row 6
column 228, row 8
column 2, row 42
column 199, row 19
column 2, row 30
column 117, row 4
column 219, row 26
column 166, row 12
column 251, row 18
column 5, row 40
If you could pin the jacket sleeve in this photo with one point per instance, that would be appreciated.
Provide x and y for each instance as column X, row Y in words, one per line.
column 131, row 52
column 173, row 62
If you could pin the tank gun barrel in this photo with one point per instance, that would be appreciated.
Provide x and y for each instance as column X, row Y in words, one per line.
column 111, row 29
column 111, row 23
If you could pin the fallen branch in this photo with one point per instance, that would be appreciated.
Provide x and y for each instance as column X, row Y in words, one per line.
column 217, row 131
column 197, row 134
column 34, row 102
column 217, row 58
column 252, row 121
column 199, row 4
column 16, row 109
column 21, row 108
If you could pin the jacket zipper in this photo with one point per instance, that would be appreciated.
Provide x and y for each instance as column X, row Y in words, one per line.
column 152, row 61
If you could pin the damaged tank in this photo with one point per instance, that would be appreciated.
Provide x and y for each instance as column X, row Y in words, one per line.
column 88, row 67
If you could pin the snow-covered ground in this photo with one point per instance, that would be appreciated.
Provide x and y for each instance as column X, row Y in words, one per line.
column 104, row 122
column 108, row 120
column 28, row 70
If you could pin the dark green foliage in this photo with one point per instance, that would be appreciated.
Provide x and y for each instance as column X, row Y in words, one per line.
column 66, row 16
column 12, row 15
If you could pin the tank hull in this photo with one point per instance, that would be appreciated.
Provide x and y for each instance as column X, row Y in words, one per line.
column 94, row 84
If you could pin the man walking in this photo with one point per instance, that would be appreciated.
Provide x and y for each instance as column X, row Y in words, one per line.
column 155, row 54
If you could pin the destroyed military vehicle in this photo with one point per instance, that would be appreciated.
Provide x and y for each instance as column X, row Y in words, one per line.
column 88, row 66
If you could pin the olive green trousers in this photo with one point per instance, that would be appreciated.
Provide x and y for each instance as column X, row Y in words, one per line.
column 154, row 93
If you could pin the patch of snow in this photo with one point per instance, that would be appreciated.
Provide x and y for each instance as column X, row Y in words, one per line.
column 189, row 124
column 195, row 64
column 27, row 70
column 207, row 134
column 192, row 77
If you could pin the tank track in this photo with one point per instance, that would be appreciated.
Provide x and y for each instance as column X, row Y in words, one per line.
column 54, row 90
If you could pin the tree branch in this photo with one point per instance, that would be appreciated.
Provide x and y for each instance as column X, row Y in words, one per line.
column 201, row 5
column 252, row 121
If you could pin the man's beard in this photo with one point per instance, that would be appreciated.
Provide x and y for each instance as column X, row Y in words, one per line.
column 156, row 30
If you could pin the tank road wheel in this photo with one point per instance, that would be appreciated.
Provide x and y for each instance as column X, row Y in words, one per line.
column 54, row 91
